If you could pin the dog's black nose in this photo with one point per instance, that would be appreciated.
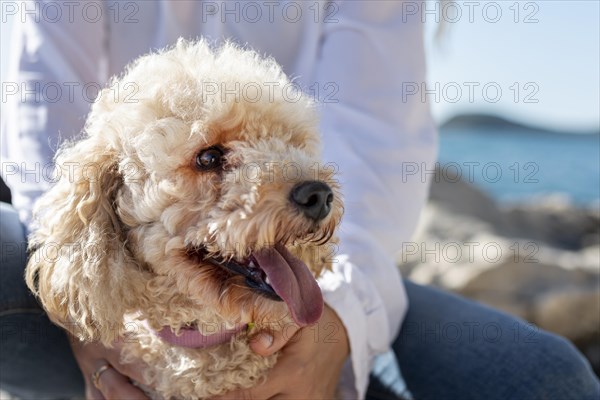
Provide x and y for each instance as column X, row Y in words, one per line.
column 313, row 198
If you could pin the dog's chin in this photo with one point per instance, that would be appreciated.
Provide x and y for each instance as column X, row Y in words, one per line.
column 272, row 273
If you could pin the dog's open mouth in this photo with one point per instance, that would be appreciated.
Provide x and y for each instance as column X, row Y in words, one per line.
column 276, row 274
column 256, row 278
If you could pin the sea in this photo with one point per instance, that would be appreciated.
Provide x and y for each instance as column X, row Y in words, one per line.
column 521, row 165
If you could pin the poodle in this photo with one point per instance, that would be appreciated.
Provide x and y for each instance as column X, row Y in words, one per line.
column 191, row 214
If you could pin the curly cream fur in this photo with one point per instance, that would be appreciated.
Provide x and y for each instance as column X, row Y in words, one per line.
column 112, row 237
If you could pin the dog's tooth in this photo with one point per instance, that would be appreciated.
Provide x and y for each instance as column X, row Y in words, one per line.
column 267, row 280
column 251, row 264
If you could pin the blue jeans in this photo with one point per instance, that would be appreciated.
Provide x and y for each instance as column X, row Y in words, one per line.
column 448, row 348
column 453, row 348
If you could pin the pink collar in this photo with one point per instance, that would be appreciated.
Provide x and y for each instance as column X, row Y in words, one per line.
column 192, row 338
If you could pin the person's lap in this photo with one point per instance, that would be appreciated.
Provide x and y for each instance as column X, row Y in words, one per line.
column 36, row 360
column 451, row 348
column 448, row 347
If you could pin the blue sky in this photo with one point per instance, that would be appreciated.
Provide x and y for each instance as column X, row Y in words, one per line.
column 553, row 59
column 559, row 56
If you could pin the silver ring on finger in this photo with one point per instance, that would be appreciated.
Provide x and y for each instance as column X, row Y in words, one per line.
column 97, row 373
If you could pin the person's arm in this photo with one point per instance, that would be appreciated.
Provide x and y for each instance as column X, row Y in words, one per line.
column 55, row 71
column 378, row 136
column 381, row 141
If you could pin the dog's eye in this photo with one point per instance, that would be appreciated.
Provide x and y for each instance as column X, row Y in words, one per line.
column 210, row 158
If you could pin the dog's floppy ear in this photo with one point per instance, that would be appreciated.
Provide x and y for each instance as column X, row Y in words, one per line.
column 79, row 265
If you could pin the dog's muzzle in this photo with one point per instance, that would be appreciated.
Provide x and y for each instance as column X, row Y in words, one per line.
column 276, row 274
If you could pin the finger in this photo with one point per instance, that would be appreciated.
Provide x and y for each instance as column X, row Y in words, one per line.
column 270, row 388
column 91, row 393
column 134, row 370
column 256, row 393
column 266, row 343
column 274, row 387
column 113, row 385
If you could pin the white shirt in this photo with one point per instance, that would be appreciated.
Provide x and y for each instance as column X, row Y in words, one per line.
column 357, row 57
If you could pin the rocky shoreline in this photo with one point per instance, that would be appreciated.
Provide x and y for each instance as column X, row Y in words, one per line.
column 539, row 260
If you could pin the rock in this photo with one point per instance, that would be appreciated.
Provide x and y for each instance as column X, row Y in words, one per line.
column 462, row 198
column 539, row 261
column 521, row 287
column 568, row 313
column 563, row 226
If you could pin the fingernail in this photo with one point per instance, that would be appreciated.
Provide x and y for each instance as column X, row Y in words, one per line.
column 266, row 340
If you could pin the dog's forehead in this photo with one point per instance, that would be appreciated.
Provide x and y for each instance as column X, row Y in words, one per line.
column 176, row 142
column 214, row 100
column 252, row 127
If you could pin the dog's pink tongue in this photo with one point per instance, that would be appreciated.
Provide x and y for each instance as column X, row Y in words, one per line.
column 293, row 282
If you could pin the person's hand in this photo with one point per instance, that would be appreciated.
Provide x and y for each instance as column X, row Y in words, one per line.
column 115, row 381
column 309, row 365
